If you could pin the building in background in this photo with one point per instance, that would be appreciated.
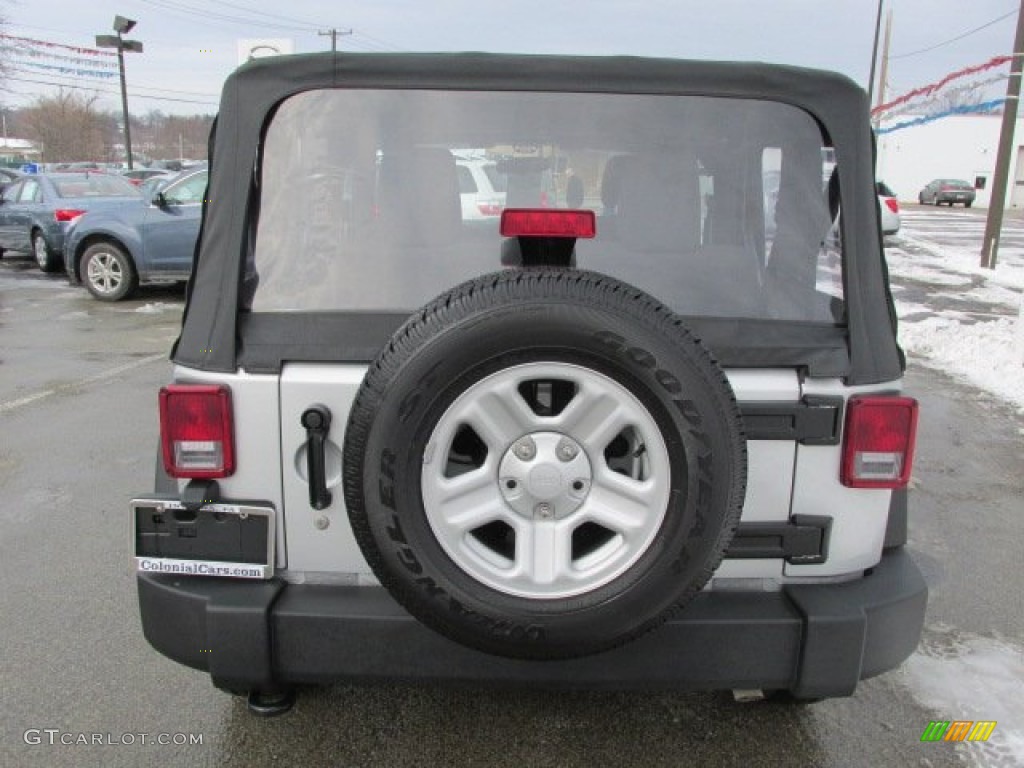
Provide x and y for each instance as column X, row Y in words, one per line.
column 14, row 152
column 955, row 147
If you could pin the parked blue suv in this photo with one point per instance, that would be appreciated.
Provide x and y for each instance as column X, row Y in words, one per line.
column 114, row 250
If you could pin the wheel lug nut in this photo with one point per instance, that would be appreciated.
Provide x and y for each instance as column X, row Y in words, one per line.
column 543, row 511
column 525, row 449
column 567, row 450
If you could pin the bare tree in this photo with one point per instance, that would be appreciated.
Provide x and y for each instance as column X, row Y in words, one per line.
column 186, row 135
column 166, row 137
column 68, row 126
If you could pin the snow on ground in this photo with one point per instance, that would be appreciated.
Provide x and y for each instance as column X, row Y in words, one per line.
column 965, row 320
column 955, row 315
column 964, row 258
column 979, row 352
column 152, row 308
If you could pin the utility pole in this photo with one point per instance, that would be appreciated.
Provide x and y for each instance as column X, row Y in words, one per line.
column 874, row 52
column 884, row 73
column 333, row 34
column 994, row 223
column 122, row 26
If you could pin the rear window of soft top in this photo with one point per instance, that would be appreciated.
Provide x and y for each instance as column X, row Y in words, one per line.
column 718, row 207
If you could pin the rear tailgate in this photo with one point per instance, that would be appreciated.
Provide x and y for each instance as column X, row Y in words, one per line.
column 321, row 540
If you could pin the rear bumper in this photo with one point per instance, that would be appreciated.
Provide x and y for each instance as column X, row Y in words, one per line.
column 814, row 640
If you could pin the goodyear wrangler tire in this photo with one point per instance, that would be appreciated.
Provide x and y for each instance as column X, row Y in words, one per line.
column 544, row 464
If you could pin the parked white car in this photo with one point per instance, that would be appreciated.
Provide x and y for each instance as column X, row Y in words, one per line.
column 481, row 188
column 890, row 208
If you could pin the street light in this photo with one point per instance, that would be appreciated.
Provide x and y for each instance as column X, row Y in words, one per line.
column 122, row 26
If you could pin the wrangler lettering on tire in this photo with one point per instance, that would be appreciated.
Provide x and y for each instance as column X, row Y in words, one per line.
column 559, row 464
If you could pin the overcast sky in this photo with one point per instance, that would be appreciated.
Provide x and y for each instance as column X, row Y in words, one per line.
column 191, row 45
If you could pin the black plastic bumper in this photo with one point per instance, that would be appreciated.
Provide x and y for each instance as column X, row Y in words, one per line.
column 815, row 640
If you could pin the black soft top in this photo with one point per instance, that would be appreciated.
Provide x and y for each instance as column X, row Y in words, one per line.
column 863, row 352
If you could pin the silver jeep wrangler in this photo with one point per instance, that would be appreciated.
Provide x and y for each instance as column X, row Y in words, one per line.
column 635, row 422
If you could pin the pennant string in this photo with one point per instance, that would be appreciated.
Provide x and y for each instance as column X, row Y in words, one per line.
column 69, row 70
column 928, row 90
column 47, row 44
column 970, row 109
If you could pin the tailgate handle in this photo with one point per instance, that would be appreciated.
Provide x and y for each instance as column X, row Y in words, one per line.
column 316, row 420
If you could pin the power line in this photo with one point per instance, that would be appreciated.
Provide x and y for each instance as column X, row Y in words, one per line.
column 71, row 34
column 372, row 43
column 16, row 67
column 291, row 24
column 266, row 14
column 375, row 43
column 356, row 39
column 367, row 43
column 209, row 15
column 78, row 73
column 954, row 39
column 103, row 90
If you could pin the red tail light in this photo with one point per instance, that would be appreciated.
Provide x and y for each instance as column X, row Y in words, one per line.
column 65, row 215
column 892, row 204
column 878, row 442
column 547, row 222
column 196, row 430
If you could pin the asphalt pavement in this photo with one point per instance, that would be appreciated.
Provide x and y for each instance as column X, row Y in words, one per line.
column 78, row 383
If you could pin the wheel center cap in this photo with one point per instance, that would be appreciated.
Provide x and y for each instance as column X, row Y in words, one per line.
column 545, row 482
column 545, row 475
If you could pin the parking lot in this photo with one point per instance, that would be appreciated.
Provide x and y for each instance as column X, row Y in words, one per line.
column 78, row 382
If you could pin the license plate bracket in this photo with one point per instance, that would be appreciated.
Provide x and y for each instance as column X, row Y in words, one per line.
column 228, row 540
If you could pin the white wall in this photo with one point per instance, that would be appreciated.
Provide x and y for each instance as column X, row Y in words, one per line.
column 960, row 147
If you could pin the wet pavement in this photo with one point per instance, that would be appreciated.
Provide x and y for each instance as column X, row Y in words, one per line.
column 78, row 382
column 936, row 286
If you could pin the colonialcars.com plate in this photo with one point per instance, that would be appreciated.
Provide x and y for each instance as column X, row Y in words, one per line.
column 232, row 540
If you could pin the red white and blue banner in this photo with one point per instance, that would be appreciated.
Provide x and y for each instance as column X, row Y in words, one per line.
column 932, row 102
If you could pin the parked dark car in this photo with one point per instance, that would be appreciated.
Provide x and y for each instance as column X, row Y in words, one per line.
column 113, row 250
column 36, row 211
column 948, row 191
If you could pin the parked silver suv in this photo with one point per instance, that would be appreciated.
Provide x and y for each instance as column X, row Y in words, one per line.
column 623, row 435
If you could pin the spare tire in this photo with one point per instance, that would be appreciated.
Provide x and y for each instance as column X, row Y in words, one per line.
column 544, row 464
